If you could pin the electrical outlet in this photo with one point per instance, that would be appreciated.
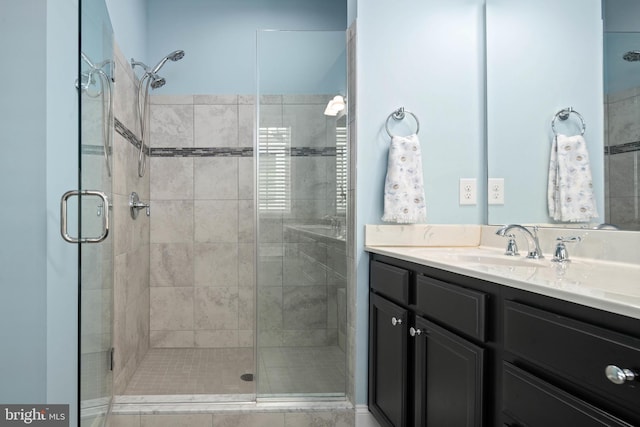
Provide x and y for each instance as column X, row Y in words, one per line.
column 468, row 191
column 496, row 191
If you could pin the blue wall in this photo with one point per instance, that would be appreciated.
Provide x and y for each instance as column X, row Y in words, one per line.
column 61, row 176
column 23, row 273
column 429, row 58
column 286, row 65
column 129, row 20
column 219, row 38
column 621, row 15
column 527, row 86
column 38, row 272
column 622, row 34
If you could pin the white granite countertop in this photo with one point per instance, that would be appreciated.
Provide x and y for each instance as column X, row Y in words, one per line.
column 606, row 285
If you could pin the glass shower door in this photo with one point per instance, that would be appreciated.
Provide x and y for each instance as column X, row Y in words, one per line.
column 95, row 195
column 301, row 208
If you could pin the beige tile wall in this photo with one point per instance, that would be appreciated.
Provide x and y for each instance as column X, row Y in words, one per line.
column 202, row 224
column 293, row 297
column 131, row 237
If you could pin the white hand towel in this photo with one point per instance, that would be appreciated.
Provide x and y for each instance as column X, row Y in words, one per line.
column 570, row 190
column 403, row 189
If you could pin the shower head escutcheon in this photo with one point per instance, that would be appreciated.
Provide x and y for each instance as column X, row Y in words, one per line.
column 632, row 56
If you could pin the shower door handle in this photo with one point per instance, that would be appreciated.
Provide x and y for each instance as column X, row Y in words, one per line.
column 63, row 216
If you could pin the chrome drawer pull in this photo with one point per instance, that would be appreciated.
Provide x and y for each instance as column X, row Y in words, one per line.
column 619, row 375
column 396, row 321
column 415, row 332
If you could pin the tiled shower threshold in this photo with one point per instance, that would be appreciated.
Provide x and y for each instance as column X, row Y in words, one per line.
column 216, row 403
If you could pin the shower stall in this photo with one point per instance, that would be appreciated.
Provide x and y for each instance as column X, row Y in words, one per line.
column 233, row 286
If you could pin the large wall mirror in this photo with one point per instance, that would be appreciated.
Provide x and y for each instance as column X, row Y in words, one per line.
column 544, row 56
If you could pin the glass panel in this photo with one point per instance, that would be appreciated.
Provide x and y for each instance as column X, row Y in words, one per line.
column 301, row 215
column 96, row 266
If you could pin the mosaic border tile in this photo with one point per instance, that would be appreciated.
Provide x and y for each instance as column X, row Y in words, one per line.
column 213, row 151
column 236, row 152
column 628, row 147
column 202, row 152
column 127, row 134
column 311, row 151
column 92, row 150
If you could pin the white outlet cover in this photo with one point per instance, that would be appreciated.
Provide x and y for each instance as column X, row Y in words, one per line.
column 468, row 191
column 495, row 191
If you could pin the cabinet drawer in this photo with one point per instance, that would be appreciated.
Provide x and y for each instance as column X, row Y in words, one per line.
column 573, row 350
column 532, row 402
column 460, row 308
column 390, row 281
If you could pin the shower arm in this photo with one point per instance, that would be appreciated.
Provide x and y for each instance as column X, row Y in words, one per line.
column 135, row 63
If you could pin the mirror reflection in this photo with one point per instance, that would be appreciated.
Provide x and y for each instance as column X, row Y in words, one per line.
column 544, row 59
column 622, row 111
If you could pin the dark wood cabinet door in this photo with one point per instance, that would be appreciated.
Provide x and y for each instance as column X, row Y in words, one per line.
column 449, row 378
column 387, row 361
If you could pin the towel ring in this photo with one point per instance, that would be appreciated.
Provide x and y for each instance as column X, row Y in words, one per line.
column 564, row 115
column 399, row 114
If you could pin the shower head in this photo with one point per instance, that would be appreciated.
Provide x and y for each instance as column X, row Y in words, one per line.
column 157, row 82
column 176, row 55
column 632, row 56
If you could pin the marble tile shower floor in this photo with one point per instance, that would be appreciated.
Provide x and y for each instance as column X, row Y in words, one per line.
column 193, row 371
column 282, row 370
column 301, row 370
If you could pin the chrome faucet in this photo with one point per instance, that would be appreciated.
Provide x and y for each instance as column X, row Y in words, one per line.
column 532, row 239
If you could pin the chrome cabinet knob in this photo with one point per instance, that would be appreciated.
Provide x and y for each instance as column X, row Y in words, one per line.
column 396, row 321
column 415, row 332
column 619, row 375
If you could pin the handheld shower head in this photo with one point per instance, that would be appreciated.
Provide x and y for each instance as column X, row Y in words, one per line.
column 176, row 55
column 632, row 56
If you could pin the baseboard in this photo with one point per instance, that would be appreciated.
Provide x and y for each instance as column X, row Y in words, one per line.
column 364, row 418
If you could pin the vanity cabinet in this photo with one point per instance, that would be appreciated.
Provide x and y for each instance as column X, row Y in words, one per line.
column 426, row 367
column 451, row 350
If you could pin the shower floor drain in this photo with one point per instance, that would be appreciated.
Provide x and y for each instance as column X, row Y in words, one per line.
column 246, row 377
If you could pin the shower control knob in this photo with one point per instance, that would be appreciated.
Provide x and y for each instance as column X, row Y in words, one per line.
column 396, row 321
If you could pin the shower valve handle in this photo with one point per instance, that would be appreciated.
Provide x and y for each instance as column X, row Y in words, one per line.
column 135, row 205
